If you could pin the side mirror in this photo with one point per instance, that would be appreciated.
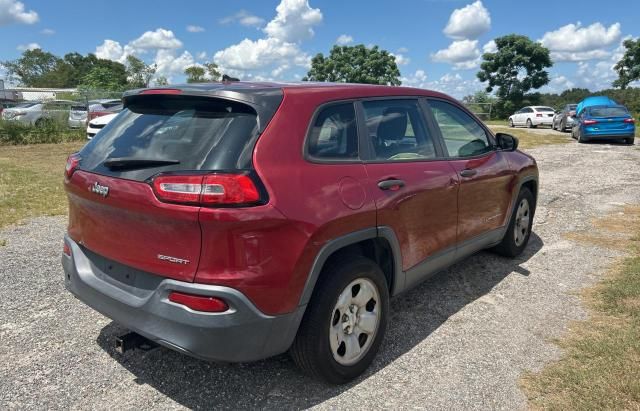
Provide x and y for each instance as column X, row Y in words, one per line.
column 506, row 142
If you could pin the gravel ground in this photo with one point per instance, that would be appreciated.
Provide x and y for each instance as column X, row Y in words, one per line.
column 460, row 340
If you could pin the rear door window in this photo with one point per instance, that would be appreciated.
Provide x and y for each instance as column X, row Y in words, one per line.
column 397, row 130
column 194, row 133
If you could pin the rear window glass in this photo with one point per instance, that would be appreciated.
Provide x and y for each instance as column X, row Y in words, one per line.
column 609, row 112
column 199, row 133
column 544, row 109
column 79, row 108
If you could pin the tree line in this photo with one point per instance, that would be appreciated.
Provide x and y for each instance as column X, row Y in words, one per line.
column 513, row 72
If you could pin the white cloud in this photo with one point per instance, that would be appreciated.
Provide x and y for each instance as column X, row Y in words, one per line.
column 245, row 18
column 48, row 32
column 279, row 50
column 463, row 54
column 557, row 56
column 12, row 11
column 490, row 47
column 557, row 84
column 452, row 84
column 195, row 29
column 294, row 21
column 168, row 63
column 344, row 39
column 110, row 50
column 403, row 50
column 202, row 55
column 468, row 22
column 575, row 38
column 401, row 59
column 30, row 46
column 159, row 39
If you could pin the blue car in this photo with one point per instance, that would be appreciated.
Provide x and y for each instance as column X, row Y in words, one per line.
column 604, row 122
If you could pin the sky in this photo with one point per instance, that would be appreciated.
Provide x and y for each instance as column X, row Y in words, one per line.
column 437, row 43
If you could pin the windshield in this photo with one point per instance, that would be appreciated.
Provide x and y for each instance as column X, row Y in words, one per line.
column 608, row 112
column 199, row 133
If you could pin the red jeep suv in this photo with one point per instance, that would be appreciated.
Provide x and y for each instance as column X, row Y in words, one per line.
column 236, row 221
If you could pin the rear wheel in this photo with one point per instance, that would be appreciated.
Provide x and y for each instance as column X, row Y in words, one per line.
column 529, row 123
column 519, row 230
column 629, row 140
column 345, row 321
column 580, row 138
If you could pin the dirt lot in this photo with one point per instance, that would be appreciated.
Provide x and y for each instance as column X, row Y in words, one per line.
column 461, row 340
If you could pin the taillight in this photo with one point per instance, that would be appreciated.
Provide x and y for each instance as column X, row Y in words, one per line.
column 199, row 302
column 629, row 120
column 72, row 164
column 538, row 115
column 206, row 189
column 589, row 122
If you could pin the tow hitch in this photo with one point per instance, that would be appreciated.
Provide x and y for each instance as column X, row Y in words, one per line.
column 132, row 340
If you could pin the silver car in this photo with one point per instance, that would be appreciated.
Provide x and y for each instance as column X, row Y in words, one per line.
column 38, row 113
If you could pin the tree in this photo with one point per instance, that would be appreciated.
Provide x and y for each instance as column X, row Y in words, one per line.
column 212, row 69
column 628, row 67
column 195, row 74
column 139, row 73
column 355, row 64
column 161, row 81
column 35, row 68
column 516, row 67
column 102, row 78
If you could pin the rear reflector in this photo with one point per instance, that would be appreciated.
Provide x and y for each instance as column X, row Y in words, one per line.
column 72, row 163
column 208, row 189
column 630, row 120
column 96, row 114
column 589, row 122
column 199, row 302
column 162, row 91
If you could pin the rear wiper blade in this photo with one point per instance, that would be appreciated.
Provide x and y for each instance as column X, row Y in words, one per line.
column 133, row 163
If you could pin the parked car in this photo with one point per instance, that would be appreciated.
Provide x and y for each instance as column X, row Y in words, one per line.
column 236, row 221
column 98, row 124
column 604, row 122
column 532, row 116
column 7, row 104
column 563, row 119
column 38, row 113
column 81, row 113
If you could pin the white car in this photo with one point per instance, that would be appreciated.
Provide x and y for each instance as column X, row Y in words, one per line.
column 532, row 116
column 98, row 124
column 38, row 113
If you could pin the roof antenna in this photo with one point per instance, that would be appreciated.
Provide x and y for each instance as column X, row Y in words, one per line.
column 228, row 79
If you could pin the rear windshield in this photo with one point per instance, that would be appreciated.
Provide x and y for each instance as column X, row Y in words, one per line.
column 608, row 112
column 76, row 107
column 199, row 133
column 544, row 109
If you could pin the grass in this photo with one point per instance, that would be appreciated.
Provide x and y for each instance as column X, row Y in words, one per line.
column 31, row 180
column 530, row 139
column 601, row 365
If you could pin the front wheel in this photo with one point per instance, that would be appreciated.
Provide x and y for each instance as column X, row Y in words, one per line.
column 519, row 230
column 511, row 123
column 345, row 321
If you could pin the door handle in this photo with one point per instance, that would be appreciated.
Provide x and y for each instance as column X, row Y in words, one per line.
column 468, row 172
column 391, row 184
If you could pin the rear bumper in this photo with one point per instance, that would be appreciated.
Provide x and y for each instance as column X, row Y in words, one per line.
column 541, row 121
column 141, row 304
column 607, row 134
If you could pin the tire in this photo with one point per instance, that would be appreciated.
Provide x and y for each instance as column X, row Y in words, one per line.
column 629, row 140
column 519, row 230
column 529, row 123
column 511, row 123
column 563, row 126
column 580, row 139
column 330, row 315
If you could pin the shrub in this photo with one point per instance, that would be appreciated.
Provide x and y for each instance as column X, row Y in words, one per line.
column 13, row 133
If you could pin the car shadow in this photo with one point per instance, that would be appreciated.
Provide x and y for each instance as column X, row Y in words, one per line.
column 276, row 382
